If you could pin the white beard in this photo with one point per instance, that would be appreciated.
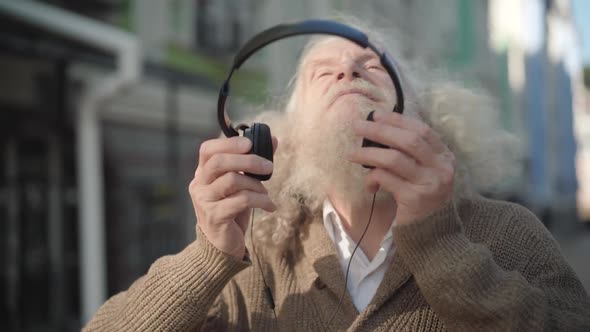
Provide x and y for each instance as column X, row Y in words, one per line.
column 320, row 163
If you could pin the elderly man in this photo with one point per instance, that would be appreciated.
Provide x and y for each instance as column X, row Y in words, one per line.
column 436, row 255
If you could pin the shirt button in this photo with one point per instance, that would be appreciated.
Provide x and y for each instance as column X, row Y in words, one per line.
column 319, row 284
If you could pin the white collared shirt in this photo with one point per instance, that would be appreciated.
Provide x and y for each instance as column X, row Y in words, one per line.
column 365, row 276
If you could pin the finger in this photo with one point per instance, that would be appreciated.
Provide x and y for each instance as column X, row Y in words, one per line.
column 222, row 163
column 244, row 200
column 235, row 145
column 412, row 124
column 243, row 219
column 231, row 183
column 392, row 160
column 379, row 178
column 398, row 138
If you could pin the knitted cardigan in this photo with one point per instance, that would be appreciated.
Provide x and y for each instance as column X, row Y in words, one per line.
column 475, row 265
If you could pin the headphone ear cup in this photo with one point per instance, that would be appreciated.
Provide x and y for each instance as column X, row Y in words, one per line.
column 261, row 139
column 369, row 143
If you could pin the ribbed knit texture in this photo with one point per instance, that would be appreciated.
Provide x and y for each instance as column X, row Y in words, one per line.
column 475, row 265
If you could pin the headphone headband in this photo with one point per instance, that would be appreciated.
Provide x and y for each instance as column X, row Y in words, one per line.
column 303, row 28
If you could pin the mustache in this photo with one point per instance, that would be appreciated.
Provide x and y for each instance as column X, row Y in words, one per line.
column 357, row 86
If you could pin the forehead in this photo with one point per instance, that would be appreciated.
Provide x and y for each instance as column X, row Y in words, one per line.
column 336, row 47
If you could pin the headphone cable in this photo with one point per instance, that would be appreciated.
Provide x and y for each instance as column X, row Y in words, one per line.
column 349, row 263
column 267, row 289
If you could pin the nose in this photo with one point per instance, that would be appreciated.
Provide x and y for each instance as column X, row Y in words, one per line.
column 348, row 71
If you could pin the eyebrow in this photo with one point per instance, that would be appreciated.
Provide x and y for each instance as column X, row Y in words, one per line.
column 329, row 61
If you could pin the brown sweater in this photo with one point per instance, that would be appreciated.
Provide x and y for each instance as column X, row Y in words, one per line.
column 475, row 265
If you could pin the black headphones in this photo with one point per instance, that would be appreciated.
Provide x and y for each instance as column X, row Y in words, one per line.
column 259, row 133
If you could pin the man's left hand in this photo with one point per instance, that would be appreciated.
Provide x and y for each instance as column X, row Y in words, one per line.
column 418, row 170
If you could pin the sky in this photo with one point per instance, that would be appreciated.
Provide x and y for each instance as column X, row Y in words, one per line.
column 581, row 11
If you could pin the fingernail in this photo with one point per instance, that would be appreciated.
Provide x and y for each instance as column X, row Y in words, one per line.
column 377, row 115
column 357, row 124
column 267, row 164
column 245, row 143
column 373, row 188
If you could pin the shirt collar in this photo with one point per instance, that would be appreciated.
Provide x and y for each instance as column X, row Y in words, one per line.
column 333, row 223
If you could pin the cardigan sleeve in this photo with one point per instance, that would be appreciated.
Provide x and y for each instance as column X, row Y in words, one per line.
column 175, row 295
column 469, row 290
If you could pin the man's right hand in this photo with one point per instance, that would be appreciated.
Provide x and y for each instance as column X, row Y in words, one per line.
column 223, row 197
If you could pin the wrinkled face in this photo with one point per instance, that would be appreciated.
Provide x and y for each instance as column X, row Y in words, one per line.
column 342, row 78
column 338, row 82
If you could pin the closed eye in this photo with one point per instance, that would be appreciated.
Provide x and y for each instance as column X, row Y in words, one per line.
column 322, row 73
column 375, row 67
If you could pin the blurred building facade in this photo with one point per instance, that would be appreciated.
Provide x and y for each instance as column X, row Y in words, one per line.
column 542, row 51
column 82, row 224
column 92, row 200
column 525, row 54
